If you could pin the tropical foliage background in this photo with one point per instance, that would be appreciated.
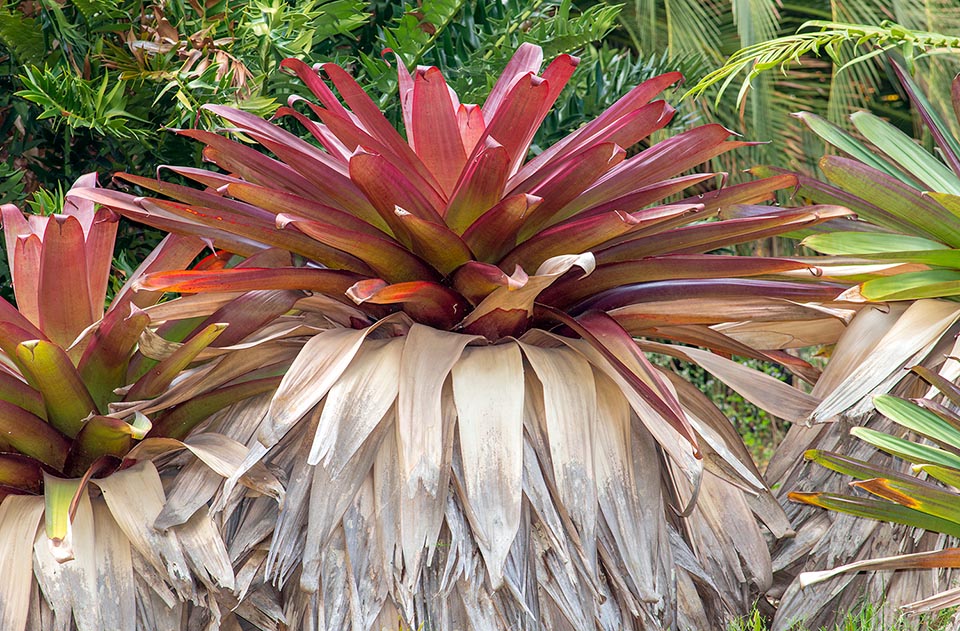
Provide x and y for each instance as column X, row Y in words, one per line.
column 278, row 326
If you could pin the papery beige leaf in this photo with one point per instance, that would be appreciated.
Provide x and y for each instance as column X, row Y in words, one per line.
column 743, row 547
column 333, row 311
column 318, row 366
column 384, row 487
column 196, row 483
column 570, row 406
column 286, row 545
column 117, row 592
column 357, row 403
column 194, row 306
column 154, row 346
column 950, row 370
column 216, row 373
column 135, row 497
column 764, row 391
column 221, row 454
column 522, row 298
column 912, row 337
column 19, row 520
column 330, row 496
column 488, row 391
column 716, row 431
column 641, row 316
column 421, row 512
column 225, row 456
column 206, row 552
column 862, row 337
column 630, row 504
column 193, row 488
column 666, row 436
column 784, row 335
column 937, row 602
column 428, row 357
column 72, row 587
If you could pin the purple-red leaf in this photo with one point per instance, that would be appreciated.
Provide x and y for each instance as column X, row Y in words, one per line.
column 475, row 280
column 480, row 188
column 384, row 256
column 570, row 290
column 323, row 281
column 569, row 181
column 586, row 234
column 63, row 295
column 32, row 436
column 495, row 232
column 434, row 131
column 426, row 302
column 601, row 127
column 387, row 187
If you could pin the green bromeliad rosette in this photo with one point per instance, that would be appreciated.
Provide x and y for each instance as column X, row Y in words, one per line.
column 478, row 436
column 94, row 404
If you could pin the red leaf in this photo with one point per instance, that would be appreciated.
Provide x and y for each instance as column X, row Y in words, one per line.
column 63, row 296
column 600, row 128
column 435, row 133
column 586, row 234
column 386, row 257
column 495, row 232
column 570, row 181
column 386, row 187
column 480, row 188
column 332, row 283
column 516, row 120
column 426, row 302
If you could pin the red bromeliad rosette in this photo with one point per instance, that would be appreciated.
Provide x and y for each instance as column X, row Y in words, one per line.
column 479, row 395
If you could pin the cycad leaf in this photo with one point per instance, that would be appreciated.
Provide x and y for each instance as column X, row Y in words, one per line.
column 913, row 286
column 950, row 557
column 881, row 510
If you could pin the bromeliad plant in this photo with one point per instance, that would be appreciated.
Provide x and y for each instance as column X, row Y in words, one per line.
column 481, row 439
column 928, row 501
column 902, row 249
column 89, row 399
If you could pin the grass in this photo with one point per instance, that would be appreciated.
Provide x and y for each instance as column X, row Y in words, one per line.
column 869, row 618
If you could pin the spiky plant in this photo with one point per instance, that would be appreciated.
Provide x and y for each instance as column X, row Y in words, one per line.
column 927, row 500
column 481, row 440
column 93, row 402
column 903, row 250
